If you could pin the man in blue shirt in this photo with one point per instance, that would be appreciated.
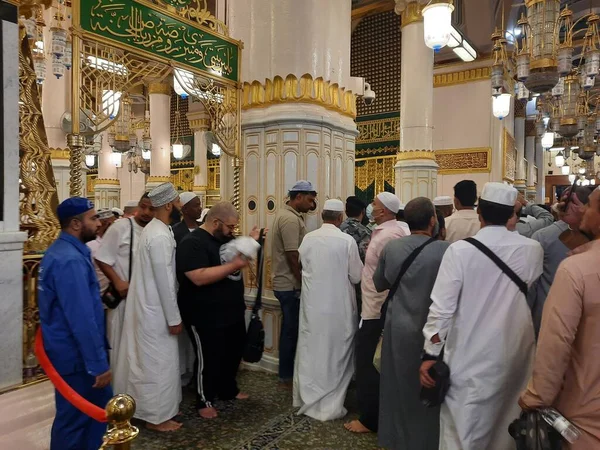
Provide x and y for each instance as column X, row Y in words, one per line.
column 72, row 321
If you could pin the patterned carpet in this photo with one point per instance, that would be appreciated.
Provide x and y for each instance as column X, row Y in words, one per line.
column 267, row 421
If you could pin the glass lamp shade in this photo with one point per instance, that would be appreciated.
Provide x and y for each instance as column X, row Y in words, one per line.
column 565, row 61
column 559, row 159
column 178, row 88
column 67, row 58
column 592, row 63
column 593, row 181
column 437, row 21
column 548, row 139
column 178, row 150
column 146, row 154
column 29, row 25
column 115, row 158
column 585, row 182
column 147, row 143
column 540, row 129
column 59, row 41
column 39, row 65
column 501, row 105
column 523, row 69
column 565, row 170
column 572, row 178
column 216, row 150
column 582, row 170
column 58, row 68
column 90, row 160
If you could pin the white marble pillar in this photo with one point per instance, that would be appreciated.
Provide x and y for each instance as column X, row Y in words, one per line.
column 107, row 191
column 199, row 124
column 521, row 178
column 416, row 168
column 11, row 239
column 160, row 132
column 540, row 188
column 530, row 144
column 286, row 136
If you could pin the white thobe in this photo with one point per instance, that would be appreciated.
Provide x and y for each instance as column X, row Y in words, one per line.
column 486, row 325
column 114, row 251
column 328, row 322
column 148, row 364
column 102, row 279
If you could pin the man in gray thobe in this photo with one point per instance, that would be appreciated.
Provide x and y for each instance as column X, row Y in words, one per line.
column 404, row 423
column 554, row 249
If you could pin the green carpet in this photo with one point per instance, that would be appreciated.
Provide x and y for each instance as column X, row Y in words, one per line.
column 266, row 421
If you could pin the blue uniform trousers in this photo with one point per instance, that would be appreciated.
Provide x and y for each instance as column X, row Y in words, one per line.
column 72, row 429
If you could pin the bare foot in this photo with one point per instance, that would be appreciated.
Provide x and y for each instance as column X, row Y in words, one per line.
column 242, row 396
column 164, row 427
column 208, row 413
column 356, row 427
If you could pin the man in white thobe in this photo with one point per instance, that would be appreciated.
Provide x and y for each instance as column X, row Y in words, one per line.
column 325, row 353
column 483, row 320
column 113, row 258
column 147, row 367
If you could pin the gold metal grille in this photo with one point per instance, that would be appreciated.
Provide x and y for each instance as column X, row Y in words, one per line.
column 377, row 171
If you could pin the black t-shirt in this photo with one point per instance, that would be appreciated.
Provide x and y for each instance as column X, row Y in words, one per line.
column 214, row 305
column 180, row 230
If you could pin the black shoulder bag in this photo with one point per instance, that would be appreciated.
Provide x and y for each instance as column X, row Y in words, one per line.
column 440, row 372
column 255, row 336
column 111, row 297
column 405, row 265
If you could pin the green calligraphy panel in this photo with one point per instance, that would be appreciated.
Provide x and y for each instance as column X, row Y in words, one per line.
column 137, row 25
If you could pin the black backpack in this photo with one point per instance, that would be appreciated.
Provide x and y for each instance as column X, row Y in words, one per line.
column 255, row 336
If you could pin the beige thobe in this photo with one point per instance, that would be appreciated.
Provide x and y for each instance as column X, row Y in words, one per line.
column 566, row 373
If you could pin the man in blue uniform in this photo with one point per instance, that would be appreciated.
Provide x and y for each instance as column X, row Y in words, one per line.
column 72, row 321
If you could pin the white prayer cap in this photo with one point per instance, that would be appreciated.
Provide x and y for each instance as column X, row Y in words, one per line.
column 444, row 200
column 186, row 197
column 390, row 201
column 163, row 194
column 131, row 204
column 333, row 204
column 118, row 211
column 499, row 193
column 105, row 214
column 402, row 206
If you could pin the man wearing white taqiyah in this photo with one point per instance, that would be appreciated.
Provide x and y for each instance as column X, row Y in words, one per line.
column 445, row 204
column 325, row 353
column 483, row 319
column 148, row 363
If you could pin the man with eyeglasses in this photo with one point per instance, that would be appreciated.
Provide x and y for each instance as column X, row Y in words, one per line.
column 211, row 301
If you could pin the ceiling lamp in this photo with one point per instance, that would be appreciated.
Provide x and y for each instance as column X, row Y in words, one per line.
column 178, row 88
column 566, row 169
column 559, row 159
column 572, row 178
column 177, row 149
column 177, row 146
column 437, row 20
column 90, row 160
column 548, row 139
column 501, row 105
column 115, row 159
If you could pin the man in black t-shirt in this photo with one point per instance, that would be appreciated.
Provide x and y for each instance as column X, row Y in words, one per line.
column 211, row 301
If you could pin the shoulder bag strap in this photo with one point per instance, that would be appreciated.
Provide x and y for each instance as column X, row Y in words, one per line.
column 259, row 273
column 405, row 265
column 131, row 248
column 501, row 264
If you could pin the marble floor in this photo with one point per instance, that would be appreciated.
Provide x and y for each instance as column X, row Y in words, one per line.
column 267, row 421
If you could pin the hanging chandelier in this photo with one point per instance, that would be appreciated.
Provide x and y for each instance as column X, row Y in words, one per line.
column 120, row 137
column 544, row 43
column 437, row 23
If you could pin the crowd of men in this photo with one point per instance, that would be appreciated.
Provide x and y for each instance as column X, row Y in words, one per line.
column 413, row 282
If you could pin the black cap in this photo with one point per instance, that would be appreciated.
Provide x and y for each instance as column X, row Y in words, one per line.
column 356, row 202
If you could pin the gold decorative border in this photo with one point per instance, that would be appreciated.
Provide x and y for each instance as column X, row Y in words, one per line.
column 159, row 88
column 404, row 155
column 372, row 8
column 509, row 168
column 108, row 181
column 452, row 161
column 155, row 179
column 199, row 124
column 380, row 130
column 60, row 153
column 302, row 90
column 182, row 164
column 464, row 76
column 372, row 151
column 413, row 13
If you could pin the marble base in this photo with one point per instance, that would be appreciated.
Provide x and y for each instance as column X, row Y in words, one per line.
column 416, row 178
column 11, row 308
column 107, row 196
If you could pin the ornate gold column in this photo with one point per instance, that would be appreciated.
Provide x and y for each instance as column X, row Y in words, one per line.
column 200, row 124
column 520, row 113
column 160, row 132
column 530, row 151
column 416, row 168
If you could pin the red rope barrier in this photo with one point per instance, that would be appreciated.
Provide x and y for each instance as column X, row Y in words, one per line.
column 89, row 409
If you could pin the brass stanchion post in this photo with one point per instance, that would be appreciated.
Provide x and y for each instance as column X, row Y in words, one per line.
column 120, row 410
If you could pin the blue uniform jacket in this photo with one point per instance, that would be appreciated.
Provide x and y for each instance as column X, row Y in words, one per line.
column 71, row 312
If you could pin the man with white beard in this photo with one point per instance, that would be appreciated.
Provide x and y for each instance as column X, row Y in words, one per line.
column 480, row 317
column 325, row 354
column 147, row 367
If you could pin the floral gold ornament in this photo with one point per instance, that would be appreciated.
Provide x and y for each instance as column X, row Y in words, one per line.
column 299, row 90
column 464, row 160
column 509, row 157
column 464, row 76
